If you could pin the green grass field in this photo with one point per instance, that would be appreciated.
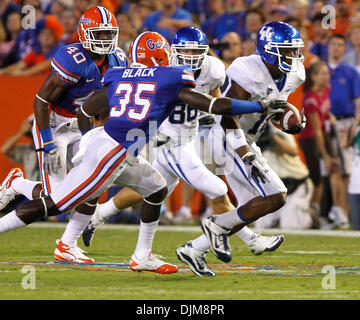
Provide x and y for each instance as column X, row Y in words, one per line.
column 294, row 271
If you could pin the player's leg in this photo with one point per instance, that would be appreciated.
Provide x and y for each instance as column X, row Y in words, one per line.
column 265, row 198
column 67, row 249
column 67, row 140
column 184, row 215
column 128, row 196
column 15, row 184
column 148, row 182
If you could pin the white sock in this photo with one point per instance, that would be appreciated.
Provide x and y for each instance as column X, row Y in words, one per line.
column 24, row 186
column 145, row 239
column 246, row 234
column 229, row 219
column 106, row 210
column 10, row 222
column 74, row 228
column 201, row 243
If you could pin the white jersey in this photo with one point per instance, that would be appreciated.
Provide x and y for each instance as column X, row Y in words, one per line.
column 183, row 125
column 253, row 76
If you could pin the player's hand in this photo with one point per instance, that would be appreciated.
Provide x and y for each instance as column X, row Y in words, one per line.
column 254, row 169
column 206, row 119
column 295, row 130
column 274, row 107
column 52, row 161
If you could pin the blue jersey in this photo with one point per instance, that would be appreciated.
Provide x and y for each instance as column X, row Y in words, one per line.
column 345, row 87
column 140, row 100
column 75, row 67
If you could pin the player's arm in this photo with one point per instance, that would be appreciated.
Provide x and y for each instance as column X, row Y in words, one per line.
column 224, row 106
column 232, row 123
column 96, row 105
column 50, row 91
column 236, row 136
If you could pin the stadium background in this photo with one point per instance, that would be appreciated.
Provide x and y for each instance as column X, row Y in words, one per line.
column 17, row 91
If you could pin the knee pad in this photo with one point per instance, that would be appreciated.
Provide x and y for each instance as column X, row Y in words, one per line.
column 157, row 198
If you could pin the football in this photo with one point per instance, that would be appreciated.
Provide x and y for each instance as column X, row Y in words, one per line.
column 288, row 119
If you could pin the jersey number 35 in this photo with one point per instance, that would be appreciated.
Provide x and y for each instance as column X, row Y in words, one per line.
column 132, row 102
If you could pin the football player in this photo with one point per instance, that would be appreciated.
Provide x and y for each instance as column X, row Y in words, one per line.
column 273, row 73
column 77, row 70
column 175, row 154
column 138, row 98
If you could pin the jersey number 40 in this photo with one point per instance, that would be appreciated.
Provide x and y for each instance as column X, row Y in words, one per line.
column 132, row 102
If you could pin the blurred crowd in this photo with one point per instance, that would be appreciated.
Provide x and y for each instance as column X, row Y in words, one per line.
column 324, row 158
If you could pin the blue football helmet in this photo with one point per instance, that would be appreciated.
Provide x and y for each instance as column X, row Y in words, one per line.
column 274, row 40
column 189, row 38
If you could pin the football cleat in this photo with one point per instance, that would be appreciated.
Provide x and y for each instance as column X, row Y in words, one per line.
column 88, row 234
column 89, row 230
column 194, row 259
column 153, row 264
column 260, row 244
column 65, row 253
column 218, row 238
column 7, row 192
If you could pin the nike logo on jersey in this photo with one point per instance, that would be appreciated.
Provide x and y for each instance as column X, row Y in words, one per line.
column 204, row 84
column 89, row 80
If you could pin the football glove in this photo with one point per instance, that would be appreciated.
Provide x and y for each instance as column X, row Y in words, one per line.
column 206, row 119
column 274, row 107
column 254, row 169
column 52, row 161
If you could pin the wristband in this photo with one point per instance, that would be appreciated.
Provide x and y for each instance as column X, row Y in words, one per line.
column 47, row 139
column 236, row 138
column 245, row 106
column 84, row 113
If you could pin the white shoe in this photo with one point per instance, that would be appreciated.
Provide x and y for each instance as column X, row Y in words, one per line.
column 153, row 264
column 65, row 253
column 338, row 216
column 194, row 259
column 218, row 238
column 261, row 243
column 7, row 192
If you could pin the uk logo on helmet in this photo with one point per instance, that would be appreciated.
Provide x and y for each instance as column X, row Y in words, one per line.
column 266, row 33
